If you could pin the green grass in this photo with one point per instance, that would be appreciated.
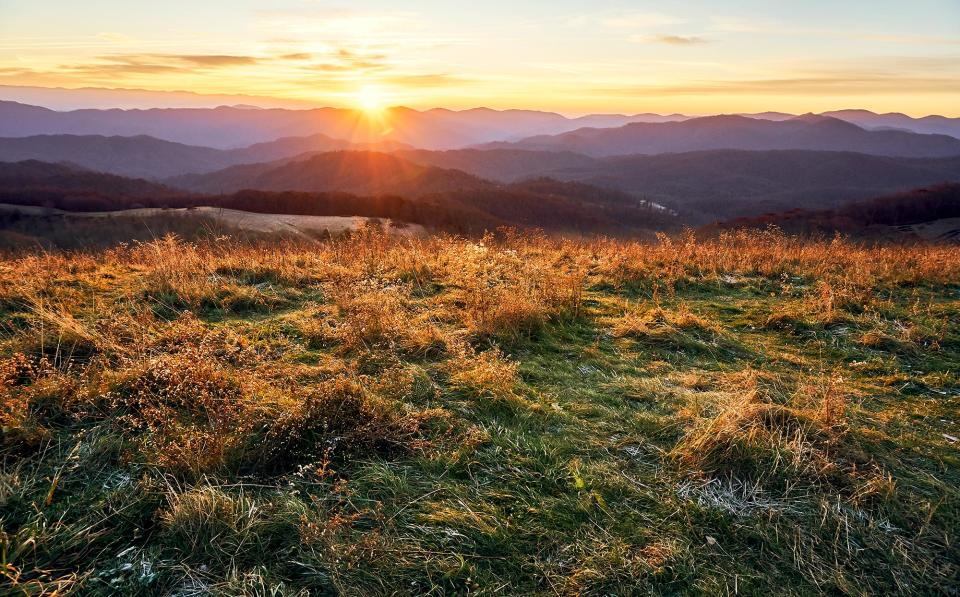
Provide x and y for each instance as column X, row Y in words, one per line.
column 720, row 428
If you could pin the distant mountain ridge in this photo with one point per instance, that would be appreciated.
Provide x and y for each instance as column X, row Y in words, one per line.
column 40, row 179
column 358, row 172
column 702, row 186
column 229, row 127
column 810, row 132
column 933, row 124
column 237, row 126
column 720, row 184
column 147, row 157
column 928, row 213
column 445, row 199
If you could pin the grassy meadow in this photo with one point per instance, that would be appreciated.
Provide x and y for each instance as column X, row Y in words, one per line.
column 754, row 414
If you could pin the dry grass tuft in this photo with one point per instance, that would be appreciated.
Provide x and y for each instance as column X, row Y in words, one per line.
column 485, row 375
column 337, row 419
column 781, row 442
column 190, row 412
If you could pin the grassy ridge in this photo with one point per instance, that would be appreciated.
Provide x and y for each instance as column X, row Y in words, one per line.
column 753, row 414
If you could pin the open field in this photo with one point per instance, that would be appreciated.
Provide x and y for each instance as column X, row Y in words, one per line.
column 26, row 226
column 753, row 414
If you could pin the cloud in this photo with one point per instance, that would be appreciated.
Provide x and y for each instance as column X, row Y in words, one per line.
column 212, row 60
column 296, row 56
column 332, row 67
column 121, row 64
column 347, row 60
column 115, row 37
column 673, row 40
column 427, row 80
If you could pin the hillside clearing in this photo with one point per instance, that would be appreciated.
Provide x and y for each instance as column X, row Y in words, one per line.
column 754, row 414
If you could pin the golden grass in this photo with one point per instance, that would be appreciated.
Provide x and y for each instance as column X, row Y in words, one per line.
column 368, row 415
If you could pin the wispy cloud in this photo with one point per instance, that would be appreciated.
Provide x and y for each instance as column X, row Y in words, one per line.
column 428, row 80
column 672, row 40
column 212, row 60
column 113, row 66
column 115, row 37
column 350, row 61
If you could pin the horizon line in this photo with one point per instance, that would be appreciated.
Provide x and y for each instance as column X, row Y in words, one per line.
column 314, row 105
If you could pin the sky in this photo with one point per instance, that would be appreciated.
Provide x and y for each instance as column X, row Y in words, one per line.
column 569, row 56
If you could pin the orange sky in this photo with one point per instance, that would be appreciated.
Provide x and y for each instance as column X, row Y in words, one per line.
column 690, row 56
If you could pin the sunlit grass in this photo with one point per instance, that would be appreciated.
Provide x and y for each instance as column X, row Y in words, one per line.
column 755, row 414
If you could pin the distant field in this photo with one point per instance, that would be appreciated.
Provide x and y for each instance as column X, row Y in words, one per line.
column 23, row 226
column 946, row 229
column 374, row 415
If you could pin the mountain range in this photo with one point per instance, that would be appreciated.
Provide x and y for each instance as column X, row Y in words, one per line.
column 933, row 124
column 230, row 127
column 811, row 132
column 147, row 157
column 700, row 170
column 929, row 213
column 150, row 157
column 701, row 186
column 34, row 178
column 444, row 199
column 358, row 172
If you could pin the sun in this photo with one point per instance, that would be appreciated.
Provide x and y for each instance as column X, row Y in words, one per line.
column 370, row 99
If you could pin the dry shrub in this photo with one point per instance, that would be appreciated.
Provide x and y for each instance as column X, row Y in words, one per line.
column 752, row 437
column 35, row 396
column 335, row 419
column 369, row 316
column 772, row 254
column 506, row 313
column 270, row 264
column 56, row 333
column 407, row 383
column 177, row 272
column 189, row 412
column 658, row 321
column 180, row 275
column 187, row 332
column 382, row 318
column 835, row 303
column 18, row 428
column 510, row 293
column 608, row 565
column 905, row 337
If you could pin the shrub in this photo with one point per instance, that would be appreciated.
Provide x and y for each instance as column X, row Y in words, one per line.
column 334, row 420
column 189, row 413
